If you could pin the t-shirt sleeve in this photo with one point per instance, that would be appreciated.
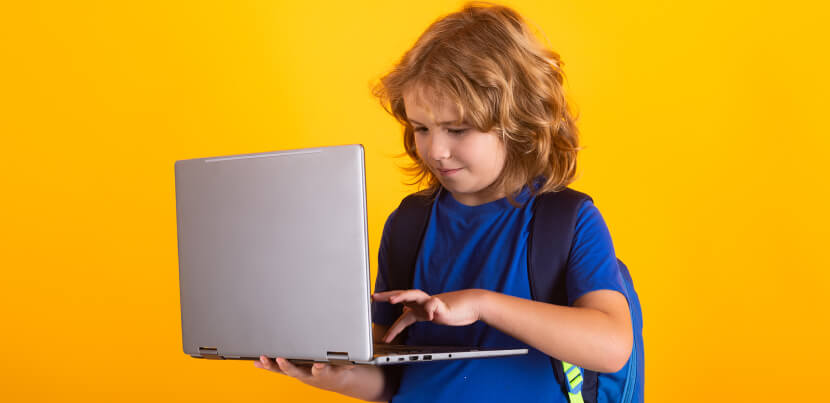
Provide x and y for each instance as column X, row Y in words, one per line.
column 592, row 264
column 384, row 313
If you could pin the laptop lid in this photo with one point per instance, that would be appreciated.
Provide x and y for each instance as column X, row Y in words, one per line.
column 273, row 255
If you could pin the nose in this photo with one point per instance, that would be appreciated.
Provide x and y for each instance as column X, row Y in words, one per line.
column 438, row 147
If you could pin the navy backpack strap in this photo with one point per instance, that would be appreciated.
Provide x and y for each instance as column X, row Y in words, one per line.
column 551, row 237
column 407, row 231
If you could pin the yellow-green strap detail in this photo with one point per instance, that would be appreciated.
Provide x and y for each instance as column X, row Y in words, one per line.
column 573, row 377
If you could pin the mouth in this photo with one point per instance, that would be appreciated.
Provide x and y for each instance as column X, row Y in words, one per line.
column 448, row 172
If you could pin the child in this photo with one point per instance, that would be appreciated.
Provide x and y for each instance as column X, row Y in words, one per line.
column 487, row 126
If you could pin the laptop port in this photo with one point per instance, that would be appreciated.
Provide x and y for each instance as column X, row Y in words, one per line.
column 413, row 358
column 427, row 357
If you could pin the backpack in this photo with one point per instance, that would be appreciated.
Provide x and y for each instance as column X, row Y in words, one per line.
column 548, row 250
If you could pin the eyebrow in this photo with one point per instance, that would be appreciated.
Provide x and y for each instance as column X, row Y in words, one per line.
column 444, row 123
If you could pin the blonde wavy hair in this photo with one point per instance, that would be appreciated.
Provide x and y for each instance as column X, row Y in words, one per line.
column 486, row 61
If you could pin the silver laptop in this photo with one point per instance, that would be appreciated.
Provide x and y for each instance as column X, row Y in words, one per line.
column 274, row 260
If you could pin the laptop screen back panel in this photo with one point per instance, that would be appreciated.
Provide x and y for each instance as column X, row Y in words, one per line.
column 273, row 255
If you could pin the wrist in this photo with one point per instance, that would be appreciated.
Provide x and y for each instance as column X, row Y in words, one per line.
column 483, row 304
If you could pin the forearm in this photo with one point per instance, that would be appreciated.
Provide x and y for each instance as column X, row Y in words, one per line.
column 366, row 382
column 585, row 337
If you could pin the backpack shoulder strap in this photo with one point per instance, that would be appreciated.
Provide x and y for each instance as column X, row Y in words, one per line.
column 551, row 236
column 406, row 233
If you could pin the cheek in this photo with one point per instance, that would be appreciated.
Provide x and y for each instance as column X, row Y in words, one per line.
column 418, row 146
column 421, row 148
column 501, row 157
column 489, row 156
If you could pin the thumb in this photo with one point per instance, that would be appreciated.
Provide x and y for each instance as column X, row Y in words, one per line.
column 318, row 368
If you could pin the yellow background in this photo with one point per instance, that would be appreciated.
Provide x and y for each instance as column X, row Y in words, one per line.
column 706, row 151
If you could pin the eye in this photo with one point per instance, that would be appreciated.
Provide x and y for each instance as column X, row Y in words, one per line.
column 457, row 131
column 419, row 129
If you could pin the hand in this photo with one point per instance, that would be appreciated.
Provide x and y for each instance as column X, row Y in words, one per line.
column 319, row 375
column 457, row 308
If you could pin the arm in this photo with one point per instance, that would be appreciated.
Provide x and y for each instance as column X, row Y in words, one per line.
column 594, row 334
column 366, row 382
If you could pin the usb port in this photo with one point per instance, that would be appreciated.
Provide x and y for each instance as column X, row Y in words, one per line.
column 413, row 358
column 427, row 357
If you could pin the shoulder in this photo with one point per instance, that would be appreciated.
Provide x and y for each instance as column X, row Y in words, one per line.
column 565, row 202
column 586, row 232
column 592, row 262
column 387, row 228
column 412, row 209
column 588, row 214
column 389, row 219
column 591, row 233
column 557, row 214
column 419, row 200
column 565, row 195
column 589, row 219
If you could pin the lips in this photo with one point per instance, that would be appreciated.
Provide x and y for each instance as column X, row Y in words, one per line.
column 448, row 171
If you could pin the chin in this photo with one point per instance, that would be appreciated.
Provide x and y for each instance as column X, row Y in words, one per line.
column 459, row 190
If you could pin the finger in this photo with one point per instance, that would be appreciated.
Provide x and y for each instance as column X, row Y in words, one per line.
column 430, row 307
column 384, row 296
column 320, row 369
column 417, row 307
column 435, row 306
column 268, row 364
column 291, row 369
column 403, row 321
column 397, row 296
column 416, row 296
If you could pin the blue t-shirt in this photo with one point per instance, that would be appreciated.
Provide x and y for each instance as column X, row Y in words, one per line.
column 485, row 246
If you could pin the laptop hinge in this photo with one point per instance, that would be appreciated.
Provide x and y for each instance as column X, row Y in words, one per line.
column 210, row 353
column 338, row 357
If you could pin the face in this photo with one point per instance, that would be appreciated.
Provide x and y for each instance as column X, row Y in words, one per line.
column 465, row 160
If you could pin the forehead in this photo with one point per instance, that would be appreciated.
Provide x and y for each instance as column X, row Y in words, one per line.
column 429, row 106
